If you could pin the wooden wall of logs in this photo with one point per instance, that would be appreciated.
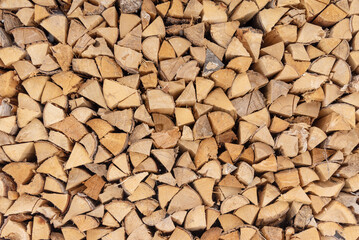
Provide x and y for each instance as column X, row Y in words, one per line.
column 179, row 120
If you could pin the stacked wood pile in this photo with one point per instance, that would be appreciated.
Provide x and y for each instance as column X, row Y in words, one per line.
column 179, row 120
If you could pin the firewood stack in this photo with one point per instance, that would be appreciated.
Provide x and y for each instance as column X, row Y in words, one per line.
column 179, row 120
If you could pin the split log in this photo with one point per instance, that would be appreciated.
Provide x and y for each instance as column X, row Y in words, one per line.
column 179, row 120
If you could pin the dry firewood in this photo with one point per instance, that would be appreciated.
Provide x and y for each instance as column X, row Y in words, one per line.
column 337, row 212
column 10, row 55
column 71, row 232
column 265, row 214
column 60, row 140
column 158, row 102
column 61, row 201
column 14, row 230
column 23, row 36
column 24, row 204
column 247, row 105
column 78, row 206
column 85, row 66
column 166, row 51
column 57, row 25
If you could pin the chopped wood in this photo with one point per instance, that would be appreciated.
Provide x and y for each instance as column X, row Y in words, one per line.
column 179, row 120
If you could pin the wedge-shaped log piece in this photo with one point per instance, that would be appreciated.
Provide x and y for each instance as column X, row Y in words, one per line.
column 337, row 212
column 166, row 139
column 187, row 97
column 241, row 85
column 202, row 128
column 63, row 54
column 170, row 67
column 203, row 87
column 342, row 74
column 268, row 66
column 268, row 194
column 326, row 170
column 85, row 66
column 245, row 173
column 79, row 156
column 263, row 135
column 156, row 28
column 310, row 33
column 160, row 102
column 211, row 169
column 119, row 209
column 220, row 121
column 115, row 92
column 325, row 189
column 185, row 199
column 19, row 152
column 213, row 13
column 151, row 47
column 268, row 165
column 34, row 86
column 36, row 186
column 212, row 63
column 208, row 149
column 322, row 65
column 204, row 186
column 21, row 172
column 311, row 233
column 193, row 9
column 267, row 18
column 236, row 49
column 247, row 213
column 196, row 219
column 166, row 51
column 287, row 179
column 14, row 230
column 120, row 119
column 245, row 11
column 222, row 33
column 195, row 34
column 41, row 228
column 72, row 232
column 230, row 222
column 78, row 206
column 330, row 16
column 284, row 105
column 68, row 81
column 72, row 128
column 24, row 204
column 10, row 55
column 180, row 233
column 248, row 104
column 275, row 89
column 59, row 200
column 287, row 144
column 108, row 67
column 27, row 35
column 85, row 223
column 232, row 203
column 56, row 24
column 219, row 100
column 53, row 166
column 272, row 212
column 333, row 122
column 115, row 142
column 166, row 157
column 98, row 48
column 296, row 194
column 51, row 91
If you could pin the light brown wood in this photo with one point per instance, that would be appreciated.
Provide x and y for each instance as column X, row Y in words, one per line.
column 180, row 119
